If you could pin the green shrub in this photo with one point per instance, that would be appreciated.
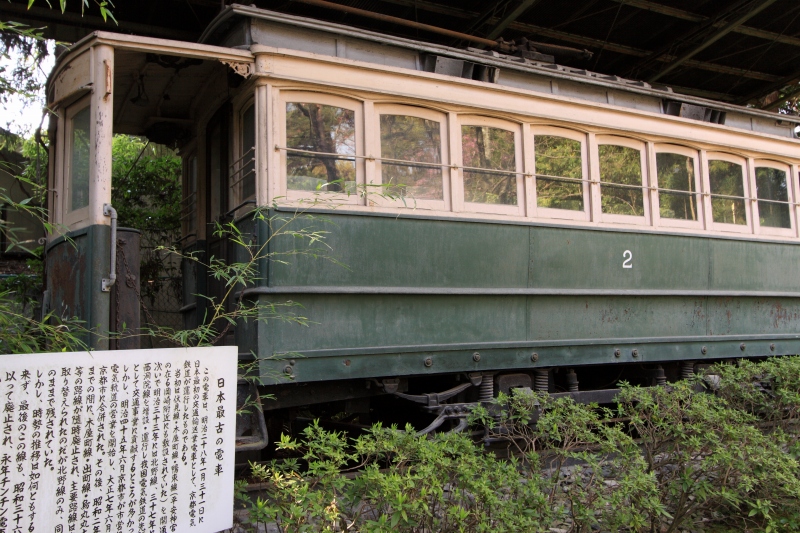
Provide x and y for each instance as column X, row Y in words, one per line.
column 668, row 459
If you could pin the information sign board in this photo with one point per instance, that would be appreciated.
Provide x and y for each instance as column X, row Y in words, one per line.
column 118, row 441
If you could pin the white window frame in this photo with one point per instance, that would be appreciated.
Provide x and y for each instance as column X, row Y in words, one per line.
column 307, row 97
column 458, row 160
column 746, row 187
column 548, row 212
column 243, row 155
column 378, row 197
column 73, row 218
column 767, row 230
column 636, row 144
column 658, row 220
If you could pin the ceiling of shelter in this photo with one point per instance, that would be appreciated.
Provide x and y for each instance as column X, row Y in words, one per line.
column 740, row 51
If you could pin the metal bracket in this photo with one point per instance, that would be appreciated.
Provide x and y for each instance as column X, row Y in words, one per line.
column 242, row 68
column 456, row 411
column 434, row 399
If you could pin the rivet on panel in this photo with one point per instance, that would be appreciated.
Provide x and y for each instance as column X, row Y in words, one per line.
column 287, row 370
column 534, row 357
column 742, row 347
column 476, row 357
column 772, row 347
column 617, row 352
column 635, row 353
column 428, row 362
column 347, row 362
column 703, row 350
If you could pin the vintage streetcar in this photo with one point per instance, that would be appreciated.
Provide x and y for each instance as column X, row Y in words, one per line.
column 499, row 221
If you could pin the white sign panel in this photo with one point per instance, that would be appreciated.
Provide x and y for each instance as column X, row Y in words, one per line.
column 118, row 442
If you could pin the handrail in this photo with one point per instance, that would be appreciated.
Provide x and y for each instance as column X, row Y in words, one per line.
column 107, row 283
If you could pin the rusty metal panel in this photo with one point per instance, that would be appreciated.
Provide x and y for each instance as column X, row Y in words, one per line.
column 75, row 265
column 125, row 304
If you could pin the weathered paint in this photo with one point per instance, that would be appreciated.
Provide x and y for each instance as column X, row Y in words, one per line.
column 76, row 264
column 413, row 289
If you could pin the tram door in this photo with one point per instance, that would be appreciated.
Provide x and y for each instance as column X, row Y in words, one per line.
column 218, row 145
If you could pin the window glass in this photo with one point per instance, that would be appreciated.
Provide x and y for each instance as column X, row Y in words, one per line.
column 415, row 140
column 248, row 168
column 773, row 197
column 321, row 129
column 491, row 149
column 215, row 171
column 727, row 192
column 79, row 160
column 558, row 157
column 677, row 190
column 621, row 180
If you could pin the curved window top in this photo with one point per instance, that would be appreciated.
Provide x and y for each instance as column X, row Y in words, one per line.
column 726, row 181
column 415, row 145
column 677, row 184
column 559, row 172
column 492, row 149
column 320, row 140
column 621, row 179
column 772, row 189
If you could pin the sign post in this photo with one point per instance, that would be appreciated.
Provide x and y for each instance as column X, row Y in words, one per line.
column 118, row 441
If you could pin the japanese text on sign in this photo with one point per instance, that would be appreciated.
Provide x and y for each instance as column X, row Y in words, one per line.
column 117, row 442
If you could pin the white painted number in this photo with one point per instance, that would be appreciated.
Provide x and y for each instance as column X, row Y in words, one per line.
column 628, row 258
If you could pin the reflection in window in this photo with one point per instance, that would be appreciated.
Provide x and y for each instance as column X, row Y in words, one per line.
column 727, row 192
column 79, row 160
column 676, row 182
column 415, row 140
column 621, row 180
column 322, row 129
column 773, row 197
column 248, row 170
column 491, row 149
column 557, row 157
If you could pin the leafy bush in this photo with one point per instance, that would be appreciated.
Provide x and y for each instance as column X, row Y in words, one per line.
column 668, row 459
column 710, row 461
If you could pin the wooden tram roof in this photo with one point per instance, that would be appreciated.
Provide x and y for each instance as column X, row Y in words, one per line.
column 736, row 51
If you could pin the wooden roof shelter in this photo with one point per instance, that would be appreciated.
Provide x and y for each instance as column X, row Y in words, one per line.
column 739, row 51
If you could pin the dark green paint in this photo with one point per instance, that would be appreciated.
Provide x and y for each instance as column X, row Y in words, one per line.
column 377, row 330
column 76, row 265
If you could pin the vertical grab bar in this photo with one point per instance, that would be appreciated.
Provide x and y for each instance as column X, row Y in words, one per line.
column 109, row 282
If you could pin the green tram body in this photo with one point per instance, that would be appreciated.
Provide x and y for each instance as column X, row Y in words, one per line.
column 522, row 296
column 430, row 292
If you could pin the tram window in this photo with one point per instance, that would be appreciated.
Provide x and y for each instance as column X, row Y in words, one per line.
column 79, row 160
column 559, row 173
column 773, row 197
column 321, row 143
column 190, row 196
column 677, row 189
column 412, row 140
column 248, row 159
column 491, row 149
column 727, row 192
column 216, row 207
column 621, row 180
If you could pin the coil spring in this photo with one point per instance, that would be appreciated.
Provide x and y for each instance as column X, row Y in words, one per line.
column 572, row 381
column 687, row 369
column 486, row 391
column 541, row 380
column 661, row 377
